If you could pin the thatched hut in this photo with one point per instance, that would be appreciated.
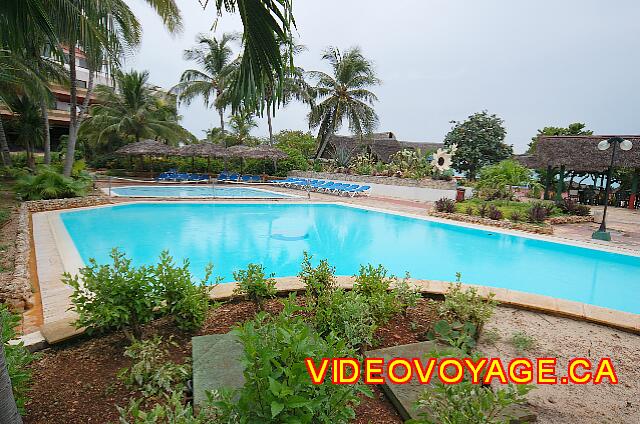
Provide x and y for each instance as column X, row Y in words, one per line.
column 147, row 148
column 580, row 155
column 204, row 150
column 381, row 145
column 267, row 152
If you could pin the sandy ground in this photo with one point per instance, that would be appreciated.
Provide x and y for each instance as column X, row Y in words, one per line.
column 566, row 338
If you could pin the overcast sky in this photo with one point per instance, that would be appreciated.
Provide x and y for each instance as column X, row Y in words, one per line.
column 534, row 63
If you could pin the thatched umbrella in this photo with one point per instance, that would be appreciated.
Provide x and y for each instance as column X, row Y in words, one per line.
column 267, row 152
column 147, row 148
column 204, row 150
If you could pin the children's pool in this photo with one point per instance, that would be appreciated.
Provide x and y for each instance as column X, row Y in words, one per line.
column 276, row 235
column 197, row 192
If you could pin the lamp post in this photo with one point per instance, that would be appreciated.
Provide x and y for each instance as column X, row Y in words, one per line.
column 625, row 145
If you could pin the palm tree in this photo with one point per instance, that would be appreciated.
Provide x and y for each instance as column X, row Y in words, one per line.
column 27, row 124
column 292, row 84
column 241, row 125
column 344, row 95
column 8, row 409
column 133, row 111
column 215, row 58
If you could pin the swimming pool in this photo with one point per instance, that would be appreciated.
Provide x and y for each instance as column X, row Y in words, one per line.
column 197, row 192
column 276, row 235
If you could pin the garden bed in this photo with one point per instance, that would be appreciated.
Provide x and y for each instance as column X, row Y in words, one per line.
column 77, row 383
column 472, row 219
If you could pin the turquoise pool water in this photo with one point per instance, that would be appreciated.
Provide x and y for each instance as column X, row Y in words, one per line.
column 276, row 235
column 197, row 192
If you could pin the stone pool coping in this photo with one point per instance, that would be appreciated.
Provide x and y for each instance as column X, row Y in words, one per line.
column 56, row 254
column 280, row 196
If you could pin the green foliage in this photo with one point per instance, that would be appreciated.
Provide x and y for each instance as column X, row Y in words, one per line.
column 318, row 281
column 346, row 315
column 522, row 342
column 374, row 285
column 458, row 335
column 491, row 336
column 49, row 184
column 577, row 128
column 277, row 385
column 185, row 301
column 570, row 207
column 537, row 212
column 480, row 141
column 120, row 296
column 466, row 305
column 445, row 205
column 151, row 370
column 173, row 411
column 467, row 403
column 406, row 295
column 515, row 216
column 17, row 357
column 494, row 213
column 495, row 181
column 410, row 163
column 113, row 297
column 254, row 284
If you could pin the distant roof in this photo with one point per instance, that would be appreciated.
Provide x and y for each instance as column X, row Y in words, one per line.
column 147, row 147
column 383, row 145
column 580, row 153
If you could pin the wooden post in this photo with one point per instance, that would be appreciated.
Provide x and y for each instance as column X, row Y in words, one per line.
column 560, row 188
column 634, row 188
column 547, row 182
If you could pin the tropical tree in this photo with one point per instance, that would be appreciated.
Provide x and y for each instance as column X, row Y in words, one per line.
column 344, row 95
column 8, row 409
column 27, row 124
column 577, row 128
column 480, row 141
column 132, row 111
column 241, row 125
column 215, row 58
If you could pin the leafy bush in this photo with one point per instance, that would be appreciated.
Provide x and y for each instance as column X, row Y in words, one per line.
column 277, row 385
column 185, row 301
column 466, row 305
column 152, row 371
column 374, row 285
column 494, row 213
column 17, row 357
column 405, row 294
column 318, row 281
column 467, row 403
column 538, row 212
column 569, row 206
column 346, row 315
column 582, row 210
column 469, row 210
column 254, row 284
column 113, row 297
column 174, row 411
column 458, row 335
column 495, row 181
column 120, row 296
column 445, row 205
column 522, row 342
column 483, row 209
column 515, row 216
column 48, row 184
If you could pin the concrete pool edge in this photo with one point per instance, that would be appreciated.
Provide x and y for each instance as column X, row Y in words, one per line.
column 51, row 239
column 277, row 195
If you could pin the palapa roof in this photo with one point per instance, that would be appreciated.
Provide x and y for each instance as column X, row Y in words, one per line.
column 148, row 148
column 580, row 153
column 239, row 151
column 265, row 151
column 204, row 149
column 383, row 145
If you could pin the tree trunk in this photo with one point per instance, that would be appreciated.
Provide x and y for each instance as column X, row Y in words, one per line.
column 270, row 125
column 73, row 122
column 8, row 408
column 47, row 133
column 4, row 146
column 221, row 113
column 31, row 162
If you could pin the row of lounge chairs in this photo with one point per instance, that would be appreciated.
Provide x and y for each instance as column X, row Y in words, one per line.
column 174, row 175
column 321, row 186
column 225, row 177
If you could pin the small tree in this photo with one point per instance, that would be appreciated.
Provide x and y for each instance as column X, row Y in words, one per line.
column 254, row 284
column 480, row 141
column 319, row 280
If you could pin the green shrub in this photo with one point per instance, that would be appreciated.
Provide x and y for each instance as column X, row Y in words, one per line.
column 185, row 301
column 347, row 315
column 48, row 184
column 318, row 281
column 457, row 335
column 467, row 403
column 494, row 213
column 405, row 294
column 483, row 209
column 175, row 410
column 254, row 284
column 113, row 297
column 374, row 285
column 582, row 210
column 538, row 212
column 522, row 342
column 151, row 371
column 277, row 385
column 469, row 210
column 17, row 357
column 515, row 216
column 466, row 305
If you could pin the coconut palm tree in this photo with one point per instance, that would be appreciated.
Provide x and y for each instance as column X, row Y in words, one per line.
column 133, row 110
column 241, row 125
column 344, row 95
column 215, row 58
column 27, row 124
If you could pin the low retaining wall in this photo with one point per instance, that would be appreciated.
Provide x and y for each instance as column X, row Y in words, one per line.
column 406, row 182
column 18, row 292
column 571, row 219
column 522, row 226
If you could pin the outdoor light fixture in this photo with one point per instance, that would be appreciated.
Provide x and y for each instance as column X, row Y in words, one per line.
column 625, row 145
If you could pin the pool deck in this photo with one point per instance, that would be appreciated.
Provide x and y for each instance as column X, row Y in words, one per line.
column 56, row 254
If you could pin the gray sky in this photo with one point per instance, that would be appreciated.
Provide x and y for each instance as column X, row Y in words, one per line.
column 534, row 63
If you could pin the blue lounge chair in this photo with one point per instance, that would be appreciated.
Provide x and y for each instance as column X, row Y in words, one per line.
column 357, row 191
